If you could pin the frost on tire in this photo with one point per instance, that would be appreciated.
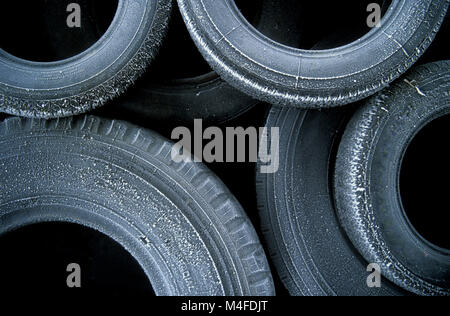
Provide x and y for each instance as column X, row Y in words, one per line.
column 180, row 223
column 91, row 78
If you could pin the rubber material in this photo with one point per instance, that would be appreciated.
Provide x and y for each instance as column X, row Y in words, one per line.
column 87, row 80
column 204, row 96
column 310, row 251
column 367, row 180
column 311, row 79
column 182, row 225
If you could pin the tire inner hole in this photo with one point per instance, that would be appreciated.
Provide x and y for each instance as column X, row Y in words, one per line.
column 179, row 58
column 424, row 176
column 36, row 257
column 317, row 25
column 38, row 30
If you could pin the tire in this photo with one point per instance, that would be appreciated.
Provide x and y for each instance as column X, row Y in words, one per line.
column 179, row 222
column 367, row 190
column 206, row 96
column 285, row 76
column 308, row 248
column 190, row 91
column 91, row 78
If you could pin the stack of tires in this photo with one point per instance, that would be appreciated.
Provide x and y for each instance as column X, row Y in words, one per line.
column 361, row 114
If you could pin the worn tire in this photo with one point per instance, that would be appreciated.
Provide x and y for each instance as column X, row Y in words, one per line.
column 306, row 243
column 91, row 78
column 285, row 76
column 367, row 173
column 206, row 95
column 181, row 224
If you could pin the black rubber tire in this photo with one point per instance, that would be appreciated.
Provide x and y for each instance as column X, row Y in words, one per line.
column 91, row 78
column 161, row 97
column 309, row 249
column 285, row 76
column 178, row 220
column 205, row 96
column 154, row 99
column 367, row 181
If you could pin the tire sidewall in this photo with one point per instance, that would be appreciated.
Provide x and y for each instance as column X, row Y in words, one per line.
column 288, row 76
column 367, row 177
